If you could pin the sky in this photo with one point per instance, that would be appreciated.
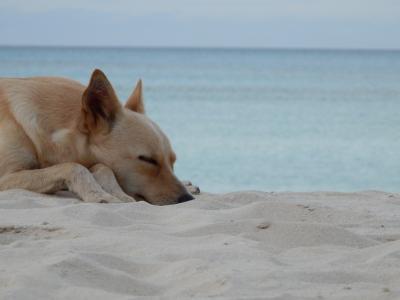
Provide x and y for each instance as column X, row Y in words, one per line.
column 370, row 24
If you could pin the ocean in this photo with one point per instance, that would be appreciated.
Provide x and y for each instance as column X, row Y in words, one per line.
column 255, row 119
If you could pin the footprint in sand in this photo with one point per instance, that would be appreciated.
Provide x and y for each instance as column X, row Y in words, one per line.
column 10, row 234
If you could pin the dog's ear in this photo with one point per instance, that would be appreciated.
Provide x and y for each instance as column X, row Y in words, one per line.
column 135, row 101
column 100, row 104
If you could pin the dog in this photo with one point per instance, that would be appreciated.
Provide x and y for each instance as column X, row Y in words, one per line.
column 57, row 134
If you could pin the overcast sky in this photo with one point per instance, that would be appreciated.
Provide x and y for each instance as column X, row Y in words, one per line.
column 205, row 23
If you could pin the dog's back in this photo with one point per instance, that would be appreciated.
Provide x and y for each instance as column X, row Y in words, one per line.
column 57, row 99
column 36, row 117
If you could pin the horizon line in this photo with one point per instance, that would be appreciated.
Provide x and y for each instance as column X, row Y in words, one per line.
column 183, row 47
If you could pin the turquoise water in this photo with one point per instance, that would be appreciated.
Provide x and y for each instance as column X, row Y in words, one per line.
column 271, row 120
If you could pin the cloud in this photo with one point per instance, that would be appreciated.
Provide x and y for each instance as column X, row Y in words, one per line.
column 251, row 23
column 246, row 9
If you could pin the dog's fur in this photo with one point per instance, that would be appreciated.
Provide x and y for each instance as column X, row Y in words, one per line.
column 57, row 134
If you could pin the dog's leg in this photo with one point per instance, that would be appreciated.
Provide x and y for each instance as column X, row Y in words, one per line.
column 71, row 176
column 106, row 178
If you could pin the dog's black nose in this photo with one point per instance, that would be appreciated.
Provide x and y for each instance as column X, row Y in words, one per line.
column 185, row 197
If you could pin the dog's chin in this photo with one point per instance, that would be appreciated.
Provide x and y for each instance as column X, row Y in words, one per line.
column 140, row 197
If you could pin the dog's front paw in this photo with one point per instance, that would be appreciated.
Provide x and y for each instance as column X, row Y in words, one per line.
column 111, row 199
column 102, row 198
column 193, row 189
column 126, row 198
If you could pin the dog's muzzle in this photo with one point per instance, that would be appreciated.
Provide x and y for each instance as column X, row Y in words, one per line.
column 185, row 197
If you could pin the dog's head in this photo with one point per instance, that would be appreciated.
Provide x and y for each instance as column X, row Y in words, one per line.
column 132, row 145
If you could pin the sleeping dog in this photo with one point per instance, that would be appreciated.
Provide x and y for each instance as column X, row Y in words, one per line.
column 58, row 134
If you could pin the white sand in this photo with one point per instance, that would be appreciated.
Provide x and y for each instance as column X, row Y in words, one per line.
column 247, row 245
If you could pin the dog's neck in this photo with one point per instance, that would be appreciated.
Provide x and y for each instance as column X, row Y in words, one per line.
column 65, row 145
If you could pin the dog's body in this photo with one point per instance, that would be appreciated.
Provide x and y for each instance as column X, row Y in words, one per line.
column 53, row 130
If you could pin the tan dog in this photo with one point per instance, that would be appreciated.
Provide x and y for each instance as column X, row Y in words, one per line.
column 57, row 134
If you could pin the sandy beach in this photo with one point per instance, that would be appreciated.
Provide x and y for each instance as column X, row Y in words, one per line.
column 243, row 245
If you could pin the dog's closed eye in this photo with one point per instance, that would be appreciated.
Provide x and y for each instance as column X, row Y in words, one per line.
column 148, row 160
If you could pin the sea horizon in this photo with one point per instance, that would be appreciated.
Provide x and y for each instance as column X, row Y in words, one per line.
column 183, row 47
